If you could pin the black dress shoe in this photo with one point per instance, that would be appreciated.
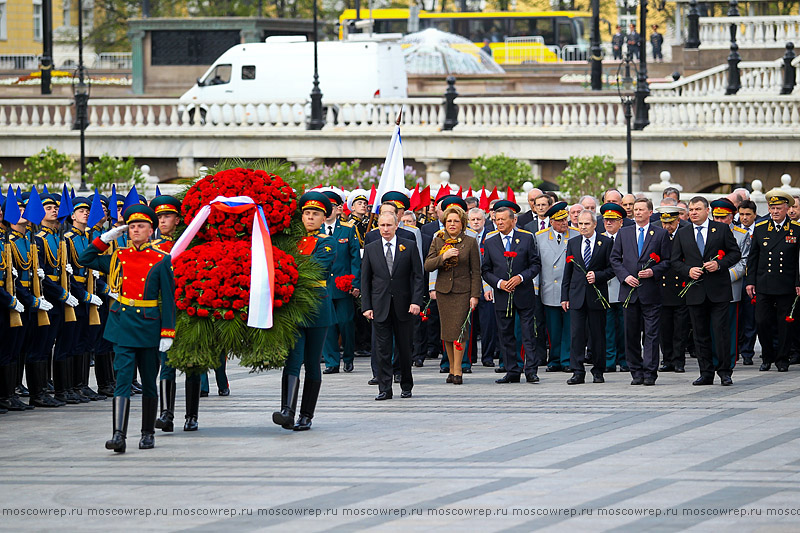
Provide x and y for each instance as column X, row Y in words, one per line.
column 405, row 394
column 418, row 364
column 598, row 379
column 373, row 381
column 747, row 361
column 362, row 353
column 679, row 369
column 204, row 394
column 566, row 369
column 458, row 380
column 444, row 370
column 148, row 441
column 532, row 378
column 553, row 369
column 725, row 381
column 383, row 396
column 397, row 378
column 611, row 369
column 331, row 370
column 576, row 380
column 782, row 368
column 666, row 368
column 703, row 381
column 488, row 364
column 466, row 371
column 22, row 391
column 224, row 392
column 508, row 378
column 449, row 378
column 637, row 381
column 348, row 367
column 764, row 367
column 649, row 382
column 499, row 370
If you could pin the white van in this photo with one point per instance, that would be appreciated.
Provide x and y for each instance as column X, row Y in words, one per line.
column 281, row 71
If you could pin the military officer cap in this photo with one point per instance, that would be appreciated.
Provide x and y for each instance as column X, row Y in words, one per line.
column 397, row 198
column 120, row 200
column 79, row 202
column 56, row 196
column 357, row 194
column 505, row 203
column 333, row 196
column 48, row 199
column 557, row 212
column 452, row 199
column 103, row 199
column 165, row 204
column 613, row 211
column 722, row 207
column 316, row 200
column 669, row 213
column 779, row 196
column 140, row 213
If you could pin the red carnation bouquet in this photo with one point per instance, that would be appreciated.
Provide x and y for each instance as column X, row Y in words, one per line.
column 509, row 263
column 344, row 283
column 790, row 318
column 653, row 259
column 720, row 255
column 600, row 297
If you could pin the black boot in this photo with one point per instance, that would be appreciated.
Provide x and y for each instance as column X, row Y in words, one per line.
column 149, row 412
column 8, row 382
column 192, row 405
column 111, row 378
column 75, row 375
column 166, row 389
column 61, row 382
column 121, row 409
column 87, row 391
column 290, row 385
column 36, row 373
column 310, row 395
column 21, row 389
column 104, row 374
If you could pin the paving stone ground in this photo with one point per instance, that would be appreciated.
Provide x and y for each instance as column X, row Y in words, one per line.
column 476, row 457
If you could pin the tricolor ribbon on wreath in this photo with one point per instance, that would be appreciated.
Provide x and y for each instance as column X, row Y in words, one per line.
column 262, row 270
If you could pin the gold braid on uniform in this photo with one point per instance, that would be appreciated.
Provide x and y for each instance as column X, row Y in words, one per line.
column 24, row 265
column 73, row 253
column 52, row 260
column 115, row 275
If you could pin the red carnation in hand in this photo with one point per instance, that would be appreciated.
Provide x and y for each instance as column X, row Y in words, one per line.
column 509, row 254
column 720, row 254
column 481, row 251
column 344, row 283
column 458, row 346
column 655, row 257
column 789, row 319
column 570, row 258
column 753, row 300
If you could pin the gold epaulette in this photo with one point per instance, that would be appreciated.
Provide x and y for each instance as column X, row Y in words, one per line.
column 796, row 223
column 524, row 231
column 574, row 229
column 740, row 230
column 762, row 222
column 542, row 231
column 69, row 234
column 347, row 224
column 495, row 232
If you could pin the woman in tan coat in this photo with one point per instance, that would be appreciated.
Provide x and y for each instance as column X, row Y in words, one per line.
column 455, row 257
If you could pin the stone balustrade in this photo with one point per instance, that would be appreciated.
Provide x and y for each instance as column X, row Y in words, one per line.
column 564, row 112
column 753, row 32
column 725, row 113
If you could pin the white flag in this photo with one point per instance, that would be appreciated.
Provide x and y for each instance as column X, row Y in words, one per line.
column 393, row 175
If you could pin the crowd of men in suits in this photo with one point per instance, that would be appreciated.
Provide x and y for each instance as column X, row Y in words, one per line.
column 618, row 284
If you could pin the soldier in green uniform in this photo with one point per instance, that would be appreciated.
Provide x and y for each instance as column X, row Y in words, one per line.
column 772, row 277
column 307, row 349
column 139, row 276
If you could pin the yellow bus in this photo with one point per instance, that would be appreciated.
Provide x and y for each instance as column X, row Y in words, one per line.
column 514, row 37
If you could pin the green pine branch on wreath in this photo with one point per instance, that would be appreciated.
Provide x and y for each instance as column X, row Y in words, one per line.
column 212, row 276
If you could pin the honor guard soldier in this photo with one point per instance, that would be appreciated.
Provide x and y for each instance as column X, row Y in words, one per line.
column 139, row 276
column 307, row 350
column 552, row 245
column 674, row 313
column 613, row 216
column 772, row 278
column 347, row 263
column 357, row 202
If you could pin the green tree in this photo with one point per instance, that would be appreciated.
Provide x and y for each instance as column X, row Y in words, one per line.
column 501, row 171
column 48, row 167
column 587, row 175
column 109, row 170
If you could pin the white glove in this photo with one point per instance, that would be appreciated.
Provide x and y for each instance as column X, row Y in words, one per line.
column 113, row 233
column 114, row 295
column 18, row 307
column 44, row 305
column 40, row 273
column 165, row 344
column 95, row 300
column 68, row 268
column 14, row 272
column 96, row 274
column 71, row 301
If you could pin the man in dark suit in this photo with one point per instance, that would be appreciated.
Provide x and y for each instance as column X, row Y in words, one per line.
column 391, row 281
column 772, row 278
column 707, row 249
column 590, row 253
column 484, row 313
column 674, row 313
column 633, row 259
column 527, row 217
column 510, row 262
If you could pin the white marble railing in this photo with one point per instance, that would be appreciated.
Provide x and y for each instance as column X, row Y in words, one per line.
column 753, row 32
column 668, row 112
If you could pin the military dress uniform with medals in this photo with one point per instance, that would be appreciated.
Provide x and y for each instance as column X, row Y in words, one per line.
column 674, row 313
column 615, row 320
column 141, row 321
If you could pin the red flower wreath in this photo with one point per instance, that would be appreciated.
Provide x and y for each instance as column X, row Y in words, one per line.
column 276, row 197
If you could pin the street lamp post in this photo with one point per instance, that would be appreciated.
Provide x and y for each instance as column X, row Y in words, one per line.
column 642, row 89
column 626, row 96
column 81, row 90
column 734, row 79
column 595, row 50
column 317, row 120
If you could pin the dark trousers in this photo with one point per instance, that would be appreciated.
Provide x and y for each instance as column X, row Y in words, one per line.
column 771, row 313
column 307, row 351
column 705, row 317
column 363, row 329
column 558, row 329
column 220, row 375
column 419, row 351
column 508, row 344
column 126, row 361
column 733, row 311
column 539, row 330
column 399, row 331
column 642, row 357
column 488, row 328
column 747, row 326
column 434, row 334
column 585, row 321
column 615, row 338
column 674, row 330
column 343, row 327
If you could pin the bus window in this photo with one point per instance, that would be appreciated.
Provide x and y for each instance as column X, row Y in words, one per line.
column 248, row 72
column 219, row 76
column 566, row 33
column 439, row 24
column 521, row 27
column 391, row 26
column 583, row 27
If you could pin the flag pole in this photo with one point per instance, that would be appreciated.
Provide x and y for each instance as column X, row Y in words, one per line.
column 372, row 213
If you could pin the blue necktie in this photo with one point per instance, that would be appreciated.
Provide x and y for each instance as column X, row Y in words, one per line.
column 587, row 253
column 701, row 245
column 508, row 242
column 640, row 241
